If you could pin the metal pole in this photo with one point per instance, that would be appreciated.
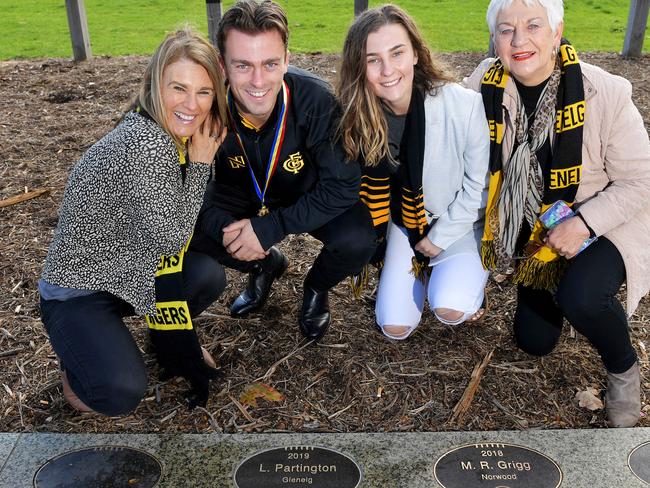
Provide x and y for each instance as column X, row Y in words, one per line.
column 636, row 25
column 214, row 16
column 360, row 6
column 78, row 30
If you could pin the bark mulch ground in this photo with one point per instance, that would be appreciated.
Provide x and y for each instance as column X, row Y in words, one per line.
column 354, row 380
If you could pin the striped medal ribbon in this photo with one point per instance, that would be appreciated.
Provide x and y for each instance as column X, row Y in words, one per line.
column 274, row 154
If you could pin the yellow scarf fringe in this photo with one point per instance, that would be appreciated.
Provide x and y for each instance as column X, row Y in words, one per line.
column 539, row 274
column 488, row 254
column 359, row 282
column 419, row 270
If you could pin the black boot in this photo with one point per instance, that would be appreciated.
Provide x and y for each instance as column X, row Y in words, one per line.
column 259, row 283
column 315, row 316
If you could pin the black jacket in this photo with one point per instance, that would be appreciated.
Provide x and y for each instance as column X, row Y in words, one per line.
column 313, row 182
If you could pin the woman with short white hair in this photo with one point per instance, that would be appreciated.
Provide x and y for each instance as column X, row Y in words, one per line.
column 566, row 141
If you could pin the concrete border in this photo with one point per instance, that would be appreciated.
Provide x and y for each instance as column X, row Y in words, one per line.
column 588, row 458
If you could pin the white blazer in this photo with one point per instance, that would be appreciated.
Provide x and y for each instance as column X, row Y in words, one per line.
column 455, row 173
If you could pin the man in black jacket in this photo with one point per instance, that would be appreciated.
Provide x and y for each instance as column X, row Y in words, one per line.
column 279, row 171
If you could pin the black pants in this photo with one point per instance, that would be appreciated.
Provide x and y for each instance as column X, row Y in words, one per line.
column 349, row 242
column 586, row 297
column 101, row 359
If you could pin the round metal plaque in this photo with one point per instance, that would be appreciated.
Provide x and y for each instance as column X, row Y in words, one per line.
column 298, row 466
column 639, row 462
column 496, row 465
column 101, row 466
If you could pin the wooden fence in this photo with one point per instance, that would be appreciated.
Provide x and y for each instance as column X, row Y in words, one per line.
column 632, row 47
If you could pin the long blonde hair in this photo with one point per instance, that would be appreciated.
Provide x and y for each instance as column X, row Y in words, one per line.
column 362, row 129
column 185, row 43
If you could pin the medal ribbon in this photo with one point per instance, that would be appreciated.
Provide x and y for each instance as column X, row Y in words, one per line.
column 274, row 155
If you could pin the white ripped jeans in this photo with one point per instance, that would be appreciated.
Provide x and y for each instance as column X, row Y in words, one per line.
column 456, row 283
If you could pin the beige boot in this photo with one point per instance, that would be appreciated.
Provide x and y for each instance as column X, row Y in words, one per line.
column 623, row 397
column 71, row 396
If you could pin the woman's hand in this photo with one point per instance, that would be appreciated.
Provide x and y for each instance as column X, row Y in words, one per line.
column 427, row 248
column 205, row 142
column 567, row 237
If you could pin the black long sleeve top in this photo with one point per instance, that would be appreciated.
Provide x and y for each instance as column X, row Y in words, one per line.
column 313, row 182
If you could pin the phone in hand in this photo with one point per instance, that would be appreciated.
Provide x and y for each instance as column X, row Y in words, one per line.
column 557, row 213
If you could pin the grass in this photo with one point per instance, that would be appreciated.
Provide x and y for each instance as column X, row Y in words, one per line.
column 38, row 28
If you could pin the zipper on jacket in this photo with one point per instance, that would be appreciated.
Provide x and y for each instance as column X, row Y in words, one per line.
column 260, row 164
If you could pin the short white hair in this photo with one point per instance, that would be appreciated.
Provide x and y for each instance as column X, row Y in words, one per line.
column 554, row 11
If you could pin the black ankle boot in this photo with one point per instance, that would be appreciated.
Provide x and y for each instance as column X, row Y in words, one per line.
column 259, row 283
column 315, row 316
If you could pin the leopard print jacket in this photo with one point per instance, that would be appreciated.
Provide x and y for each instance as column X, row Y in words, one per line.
column 125, row 205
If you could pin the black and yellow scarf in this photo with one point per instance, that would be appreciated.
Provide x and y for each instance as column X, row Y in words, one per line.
column 543, row 268
column 172, row 310
column 399, row 196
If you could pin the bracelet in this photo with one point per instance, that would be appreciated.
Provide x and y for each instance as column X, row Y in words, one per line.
column 591, row 231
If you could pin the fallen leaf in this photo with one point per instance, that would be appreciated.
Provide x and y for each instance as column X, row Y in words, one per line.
column 589, row 399
column 259, row 390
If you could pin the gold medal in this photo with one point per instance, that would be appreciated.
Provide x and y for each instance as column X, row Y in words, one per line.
column 263, row 211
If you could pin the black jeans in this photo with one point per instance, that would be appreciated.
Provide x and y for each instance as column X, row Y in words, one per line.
column 101, row 359
column 586, row 298
column 349, row 242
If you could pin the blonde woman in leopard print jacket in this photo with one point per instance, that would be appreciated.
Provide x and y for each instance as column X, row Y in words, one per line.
column 133, row 198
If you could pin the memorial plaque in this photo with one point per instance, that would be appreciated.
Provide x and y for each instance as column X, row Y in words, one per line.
column 496, row 465
column 101, row 466
column 639, row 462
column 298, row 466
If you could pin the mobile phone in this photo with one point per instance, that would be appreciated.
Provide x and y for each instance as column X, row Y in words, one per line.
column 559, row 212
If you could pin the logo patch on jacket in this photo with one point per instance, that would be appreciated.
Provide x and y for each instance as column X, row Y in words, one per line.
column 236, row 162
column 294, row 164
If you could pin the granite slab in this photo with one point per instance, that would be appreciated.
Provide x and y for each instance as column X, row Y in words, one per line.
column 586, row 458
column 7, row 442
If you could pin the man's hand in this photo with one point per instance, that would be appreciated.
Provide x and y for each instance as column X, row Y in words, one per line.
column 427, row 248
column 245, row 246
column 567, row 237
column 228, row 237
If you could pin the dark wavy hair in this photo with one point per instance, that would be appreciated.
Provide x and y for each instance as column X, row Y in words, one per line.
column 252, row 17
